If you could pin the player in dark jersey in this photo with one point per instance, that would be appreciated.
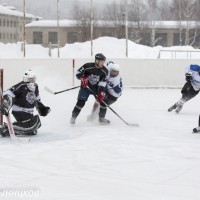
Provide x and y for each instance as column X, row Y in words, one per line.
column 92, row 76
column 22, row 98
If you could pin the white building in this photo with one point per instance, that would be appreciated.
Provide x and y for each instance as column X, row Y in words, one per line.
column 11, row 24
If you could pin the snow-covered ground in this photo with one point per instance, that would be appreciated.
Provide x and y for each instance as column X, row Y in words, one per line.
column 111, row 47
column 160, row 160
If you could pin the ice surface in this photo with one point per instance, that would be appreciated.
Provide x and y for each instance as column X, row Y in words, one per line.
column 158, row 161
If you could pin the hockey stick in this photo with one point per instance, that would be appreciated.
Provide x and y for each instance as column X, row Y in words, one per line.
column 128, row 124
column 52, row 92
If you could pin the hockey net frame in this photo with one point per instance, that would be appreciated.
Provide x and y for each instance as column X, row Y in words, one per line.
column 1, row 85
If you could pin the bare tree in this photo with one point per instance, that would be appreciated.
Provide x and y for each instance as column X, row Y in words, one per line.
column 114, row 14
column 186, row 12
column 153, row 15
column 82, row 17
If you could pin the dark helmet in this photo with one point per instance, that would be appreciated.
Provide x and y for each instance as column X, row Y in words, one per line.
column 100, row 56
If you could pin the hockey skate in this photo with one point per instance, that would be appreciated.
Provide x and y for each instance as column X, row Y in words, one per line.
column 104, row 121
column 92, row 117
column 178, row 109
column 196, row 130
column 72, row 120
column 172, row 107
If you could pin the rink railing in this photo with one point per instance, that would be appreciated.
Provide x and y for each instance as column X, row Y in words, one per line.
column 179, row 54
column 60, row 73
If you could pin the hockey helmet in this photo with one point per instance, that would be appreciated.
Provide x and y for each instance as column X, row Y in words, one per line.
column 113, row 69
column 100, row 56
column 30, row 78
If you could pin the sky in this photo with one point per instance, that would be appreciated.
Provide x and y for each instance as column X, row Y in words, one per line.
column 48, row 11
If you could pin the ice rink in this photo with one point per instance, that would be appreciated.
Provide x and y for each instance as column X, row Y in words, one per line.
column 160, row 160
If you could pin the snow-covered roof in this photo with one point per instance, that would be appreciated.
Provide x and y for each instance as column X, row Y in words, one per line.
column 52, row 23
column 9, row 10
column 101, row 23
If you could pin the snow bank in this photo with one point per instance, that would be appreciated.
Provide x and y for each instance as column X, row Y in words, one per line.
column 111, row 47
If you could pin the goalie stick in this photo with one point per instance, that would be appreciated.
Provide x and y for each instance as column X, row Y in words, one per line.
column 53, row 92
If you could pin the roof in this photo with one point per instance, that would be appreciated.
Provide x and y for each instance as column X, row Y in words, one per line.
column 9, row 10
column 101, row 23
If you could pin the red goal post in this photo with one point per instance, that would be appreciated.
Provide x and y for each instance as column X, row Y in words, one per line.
column 1, row 85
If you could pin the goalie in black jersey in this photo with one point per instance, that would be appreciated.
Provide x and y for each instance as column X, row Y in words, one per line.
column 22, row 98
column 93, row 78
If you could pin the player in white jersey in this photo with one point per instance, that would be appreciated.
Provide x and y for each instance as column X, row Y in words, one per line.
column 190, row 89
column 114, row 89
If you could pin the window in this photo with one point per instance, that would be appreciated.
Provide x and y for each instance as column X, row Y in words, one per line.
column 161, row 39
column 4, row 22
column 15, row 24
column 11, row 36
column 11, row 23
column 71, row 37
column 3, row 35
column 8, row 23
column 0, row 35
column 37, row 38
column 0, row 23
column 53, row 37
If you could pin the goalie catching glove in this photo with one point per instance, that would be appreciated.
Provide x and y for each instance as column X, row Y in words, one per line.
column 42, row 110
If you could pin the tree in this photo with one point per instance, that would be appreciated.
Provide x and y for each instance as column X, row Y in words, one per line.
column 82, row 17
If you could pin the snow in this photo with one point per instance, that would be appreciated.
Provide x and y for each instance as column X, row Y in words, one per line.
column 101, row 23
column 52, row 23
column 158, row 160
column 111, row 47
column 9, row 10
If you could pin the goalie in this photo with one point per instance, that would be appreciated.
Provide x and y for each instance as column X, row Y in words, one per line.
column 22, row 98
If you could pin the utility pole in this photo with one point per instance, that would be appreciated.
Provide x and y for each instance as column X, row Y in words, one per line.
column 126, row 27
column 24, row 24
column 91, row 25
column 58, row 29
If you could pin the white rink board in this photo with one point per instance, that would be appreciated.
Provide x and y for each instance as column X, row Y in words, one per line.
column 136, row 73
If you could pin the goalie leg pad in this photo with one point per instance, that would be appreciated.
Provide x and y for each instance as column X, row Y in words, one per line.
column 27, row 127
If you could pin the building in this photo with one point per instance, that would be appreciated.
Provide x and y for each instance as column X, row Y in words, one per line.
column 11, row 24
column 166, row 33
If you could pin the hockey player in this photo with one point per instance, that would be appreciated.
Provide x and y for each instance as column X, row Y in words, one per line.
column 190, row 89
column 92, row 76
column 114, row 89
column 22, row 98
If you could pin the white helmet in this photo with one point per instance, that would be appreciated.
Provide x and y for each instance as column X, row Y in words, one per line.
column 114, row 67
column 30, row 78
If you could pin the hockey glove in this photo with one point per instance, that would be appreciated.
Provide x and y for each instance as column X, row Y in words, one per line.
column 101, row 96
column 188, row 76
column 84, row 82
column 6, row 105
column 42, row 110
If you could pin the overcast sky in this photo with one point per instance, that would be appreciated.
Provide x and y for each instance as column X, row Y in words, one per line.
column 47, row 8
